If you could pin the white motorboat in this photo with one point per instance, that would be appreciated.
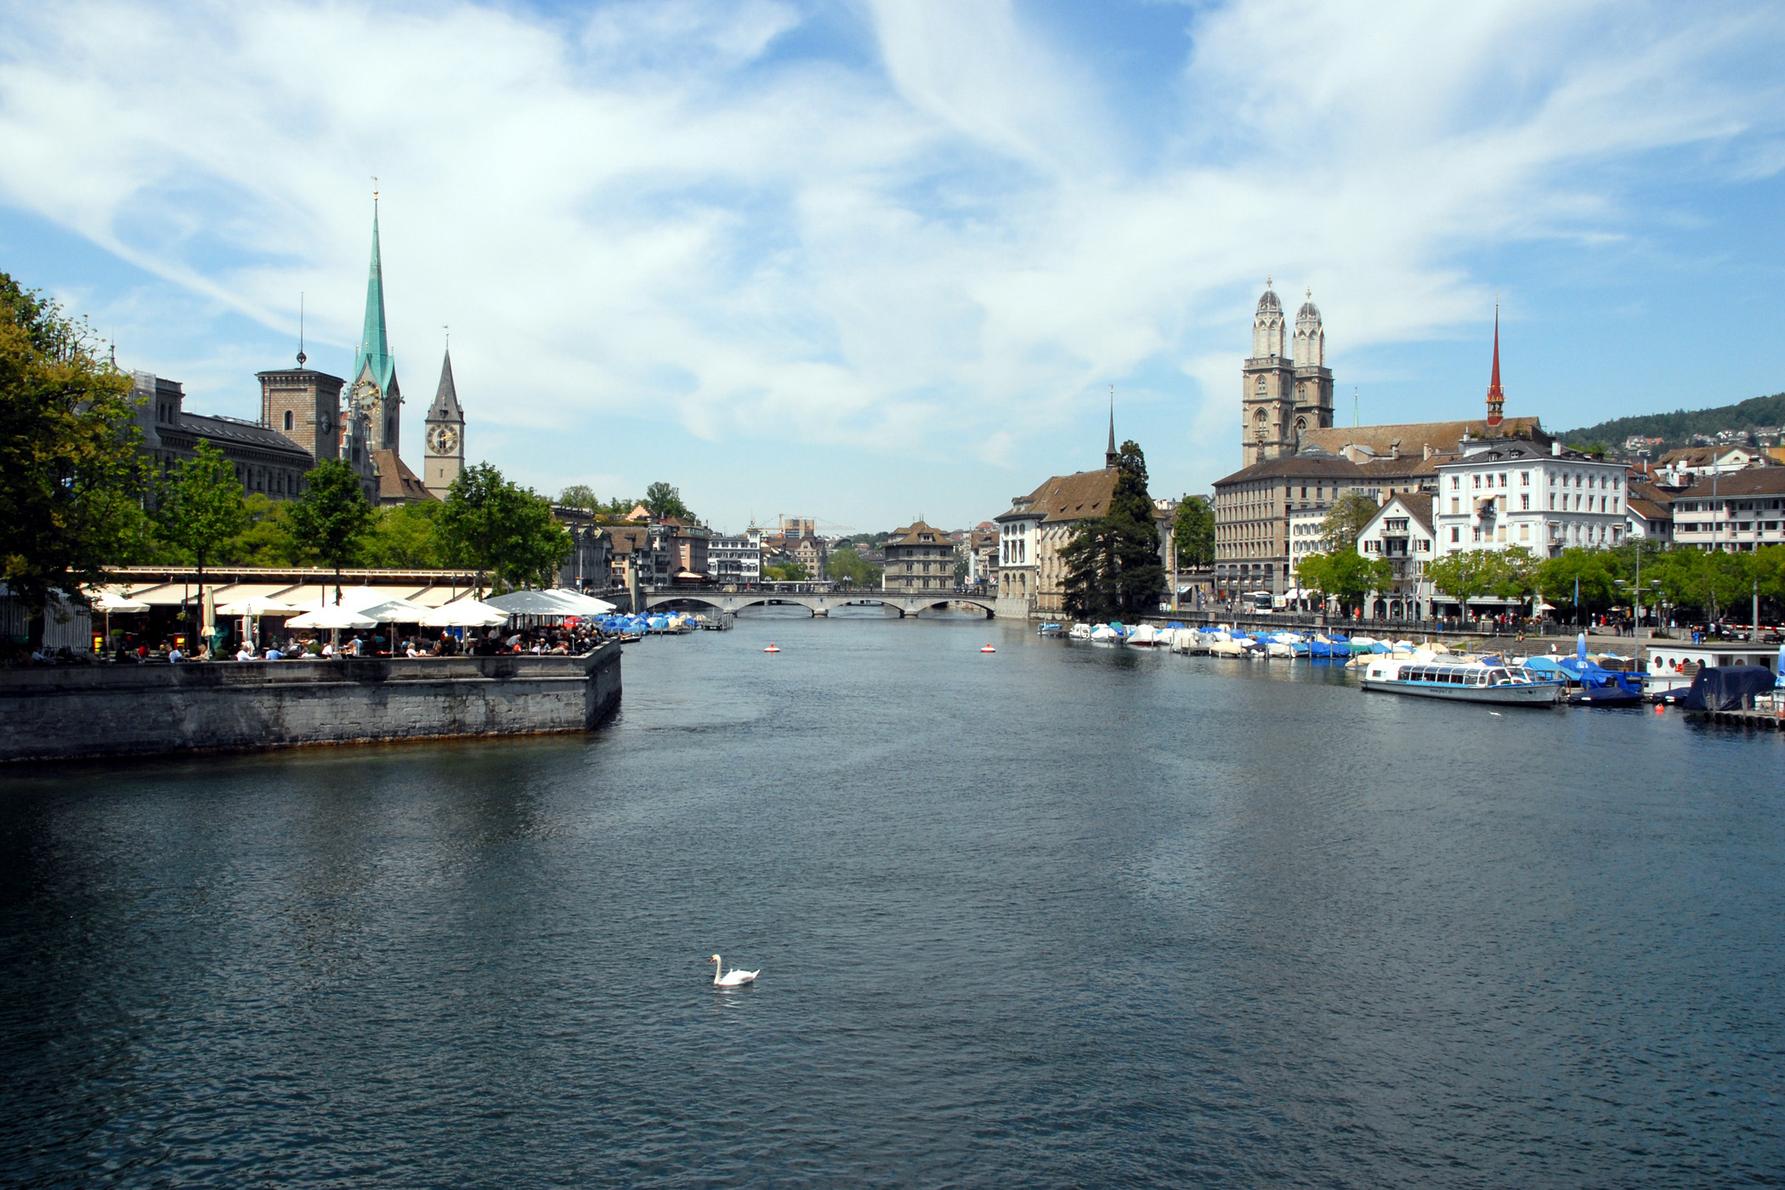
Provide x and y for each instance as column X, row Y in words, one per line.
column 1079, row 632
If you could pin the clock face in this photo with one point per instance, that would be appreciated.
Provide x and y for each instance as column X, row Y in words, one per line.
column 443, row 440
column 367, row 396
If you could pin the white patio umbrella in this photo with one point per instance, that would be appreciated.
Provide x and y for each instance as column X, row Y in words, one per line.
column 112, row 601
column 331, row 617
column 253, row 608
column 584, row 605
column 396, row 611
column 464, row 613
column 108, row 602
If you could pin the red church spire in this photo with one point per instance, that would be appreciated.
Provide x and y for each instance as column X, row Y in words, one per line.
column 1496, row 400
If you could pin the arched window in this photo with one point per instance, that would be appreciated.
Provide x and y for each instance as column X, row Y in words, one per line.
column 1258, row 418
column 288, row 419
column 1259, row 386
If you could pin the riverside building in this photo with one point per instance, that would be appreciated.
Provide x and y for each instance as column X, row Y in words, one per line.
column 1298, row 463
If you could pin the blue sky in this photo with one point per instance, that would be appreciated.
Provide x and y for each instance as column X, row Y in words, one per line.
column 866, row 261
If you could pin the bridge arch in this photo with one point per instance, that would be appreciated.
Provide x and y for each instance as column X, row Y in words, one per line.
column 819, row 603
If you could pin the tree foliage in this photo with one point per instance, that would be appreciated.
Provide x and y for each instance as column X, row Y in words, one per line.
column 405, row 535
column 847, row 565
column 1345, row 520
column 664, row 501
column 1195, row 532
column 202, row 508
column 500, row 529
column 1112, row 562
column 1677, row 428
column 1344, row 574
column 71, row 478
column 784, row 572
column 581, row 495
column 332, row 516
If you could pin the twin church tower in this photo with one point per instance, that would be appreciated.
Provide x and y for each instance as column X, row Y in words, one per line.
column 306, row 406
column 1286, row 393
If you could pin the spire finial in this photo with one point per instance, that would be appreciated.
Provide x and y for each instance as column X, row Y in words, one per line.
column 374, row 190
column 1267, row 281
column 302, row 358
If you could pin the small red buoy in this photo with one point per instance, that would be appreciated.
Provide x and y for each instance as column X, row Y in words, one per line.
column 773, row 648
column 988, row 649
column 1659, row 709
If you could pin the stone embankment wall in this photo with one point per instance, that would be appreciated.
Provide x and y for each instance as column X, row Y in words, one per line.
column 72, row 712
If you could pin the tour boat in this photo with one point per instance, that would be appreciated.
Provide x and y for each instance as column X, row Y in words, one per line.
column 1506, row 685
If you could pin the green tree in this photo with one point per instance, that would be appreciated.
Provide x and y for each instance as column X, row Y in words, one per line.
column 71, row 477
column 665, row 501
column 202, row 507
column 784, row 572
column 266, row 538
column 847, row 565
column 500, row 529
column 405, row 535
column 581, row 495
column 1466, row 575
column 1195, row 532
column 1345, row 520
column 1112, row 562
column 1344, row 574
column 1556, row 577
column 332, row 516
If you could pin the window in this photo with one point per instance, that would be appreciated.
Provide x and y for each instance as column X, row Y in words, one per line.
column 1453, row 535
column 1524, row 501
column 288, row 419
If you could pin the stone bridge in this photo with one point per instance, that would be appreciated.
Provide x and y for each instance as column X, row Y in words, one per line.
column 819, row 603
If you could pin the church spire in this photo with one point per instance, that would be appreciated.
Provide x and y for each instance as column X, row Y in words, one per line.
column 1496, row 400
column 1109, row 455
column 374, row 339
column 446, row 397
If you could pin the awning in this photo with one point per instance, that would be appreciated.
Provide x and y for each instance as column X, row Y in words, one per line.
column 535, row 603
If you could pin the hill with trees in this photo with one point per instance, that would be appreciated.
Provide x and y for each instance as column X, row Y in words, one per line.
column 1677, row 428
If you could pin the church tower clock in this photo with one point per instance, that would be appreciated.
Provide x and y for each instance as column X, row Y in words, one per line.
column 444, row 454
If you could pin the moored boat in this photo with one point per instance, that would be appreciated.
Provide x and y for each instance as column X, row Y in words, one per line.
column 1506, row 685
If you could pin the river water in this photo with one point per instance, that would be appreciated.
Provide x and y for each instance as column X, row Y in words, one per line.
column 1060, row 914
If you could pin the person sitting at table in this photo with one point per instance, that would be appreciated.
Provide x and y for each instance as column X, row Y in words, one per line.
column 245, row 653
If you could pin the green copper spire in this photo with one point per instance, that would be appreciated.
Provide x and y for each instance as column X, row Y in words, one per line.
column 374, row 339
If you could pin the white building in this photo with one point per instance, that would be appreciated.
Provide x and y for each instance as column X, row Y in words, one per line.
column 1499, row 494
column 1401, row 533
column 735, row 559
column 1739, row 511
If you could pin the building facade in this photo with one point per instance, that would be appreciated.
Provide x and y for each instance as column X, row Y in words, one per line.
column 1498, row 495
column 265, row 460
column 919, row 557
column 735, row 560
column 1738, row 512
column 1401, row 534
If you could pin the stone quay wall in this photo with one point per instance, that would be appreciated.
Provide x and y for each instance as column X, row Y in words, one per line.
column 75, row 712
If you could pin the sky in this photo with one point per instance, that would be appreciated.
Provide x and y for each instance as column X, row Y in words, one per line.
column 870, row 261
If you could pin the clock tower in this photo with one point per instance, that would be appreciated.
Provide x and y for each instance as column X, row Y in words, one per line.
column 443, row 456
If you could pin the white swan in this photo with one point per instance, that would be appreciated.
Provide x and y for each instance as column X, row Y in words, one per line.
column 733, row 978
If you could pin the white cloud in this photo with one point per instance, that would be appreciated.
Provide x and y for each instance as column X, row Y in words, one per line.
column 656, row 212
